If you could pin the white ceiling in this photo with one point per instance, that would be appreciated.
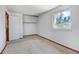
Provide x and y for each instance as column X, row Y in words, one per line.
column 30, row 9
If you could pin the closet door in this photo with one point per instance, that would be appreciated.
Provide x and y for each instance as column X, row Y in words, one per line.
column 14, row 27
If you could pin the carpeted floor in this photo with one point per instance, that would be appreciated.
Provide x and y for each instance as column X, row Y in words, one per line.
column 34, row 45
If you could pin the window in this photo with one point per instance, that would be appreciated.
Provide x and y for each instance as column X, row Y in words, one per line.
column 62, row 20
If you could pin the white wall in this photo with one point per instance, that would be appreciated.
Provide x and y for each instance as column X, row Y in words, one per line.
column 68, row 38
column 15, row 26
column 2, row 27
column 29, row 25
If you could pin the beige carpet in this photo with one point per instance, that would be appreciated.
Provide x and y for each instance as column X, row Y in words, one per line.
column 34, row 45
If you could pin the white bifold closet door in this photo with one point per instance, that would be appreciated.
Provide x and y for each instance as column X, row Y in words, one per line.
column 15, row 27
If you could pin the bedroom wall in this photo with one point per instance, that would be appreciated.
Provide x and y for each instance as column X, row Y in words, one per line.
column 2, row 27
column 68, row 38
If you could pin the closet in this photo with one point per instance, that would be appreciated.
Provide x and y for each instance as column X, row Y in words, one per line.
column 21, row 25
column 29, row 25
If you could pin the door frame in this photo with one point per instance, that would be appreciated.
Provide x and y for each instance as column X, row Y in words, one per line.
column 7, row 26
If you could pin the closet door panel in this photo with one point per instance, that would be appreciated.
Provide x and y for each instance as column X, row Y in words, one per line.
column 14, row 27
